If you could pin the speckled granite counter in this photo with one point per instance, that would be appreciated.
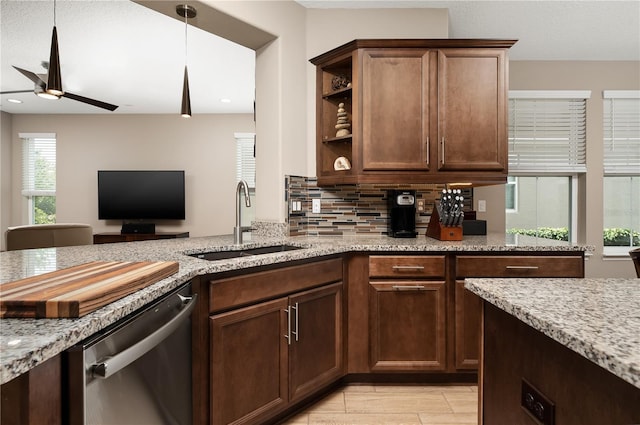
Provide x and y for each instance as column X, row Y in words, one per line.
column 596, row 318
column 25, row 343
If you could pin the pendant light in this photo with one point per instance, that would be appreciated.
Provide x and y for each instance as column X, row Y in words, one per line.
column 54, row 80
column 186, row 12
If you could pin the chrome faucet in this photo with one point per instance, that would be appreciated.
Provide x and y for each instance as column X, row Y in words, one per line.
column 237, row 231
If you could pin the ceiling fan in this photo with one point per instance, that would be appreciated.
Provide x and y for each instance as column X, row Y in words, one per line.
column 40, row 84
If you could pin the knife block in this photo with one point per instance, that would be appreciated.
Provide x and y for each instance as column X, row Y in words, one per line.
column 437, row 230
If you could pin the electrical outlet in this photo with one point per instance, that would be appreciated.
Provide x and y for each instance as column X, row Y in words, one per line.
column 536, row 404
column 315, row 206
column 420, row 205
column 482, row 205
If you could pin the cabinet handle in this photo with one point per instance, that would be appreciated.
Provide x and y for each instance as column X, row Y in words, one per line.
column 522, row 267
column 408, row 287
column 427, row 143
column 288, row 334
column 296, row 333
column 407, row 267
column 442, row 152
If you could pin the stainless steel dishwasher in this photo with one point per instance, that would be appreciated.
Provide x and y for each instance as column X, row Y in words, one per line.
column 137, row 371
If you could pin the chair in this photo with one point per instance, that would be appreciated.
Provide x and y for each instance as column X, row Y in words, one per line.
column 635, row 256
column 48, row 235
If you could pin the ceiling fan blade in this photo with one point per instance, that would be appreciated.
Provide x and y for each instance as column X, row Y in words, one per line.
column 32, row 76
column 17, row 91
column 93, row 102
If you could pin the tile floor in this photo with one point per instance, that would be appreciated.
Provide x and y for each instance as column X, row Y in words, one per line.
column 394, row 405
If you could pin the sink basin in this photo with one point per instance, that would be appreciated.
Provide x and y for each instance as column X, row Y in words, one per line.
column 224, row 255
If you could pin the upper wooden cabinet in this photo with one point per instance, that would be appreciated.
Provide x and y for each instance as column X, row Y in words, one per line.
column 420, row 111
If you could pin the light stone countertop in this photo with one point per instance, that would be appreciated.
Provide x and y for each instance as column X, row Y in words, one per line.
column 596, row 318
column 25, row 343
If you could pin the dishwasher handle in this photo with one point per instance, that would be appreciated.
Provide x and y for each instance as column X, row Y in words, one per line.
column 112, row 365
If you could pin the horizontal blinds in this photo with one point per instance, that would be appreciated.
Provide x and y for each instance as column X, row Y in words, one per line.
column 39, row 166
column 547, row 134
column 245, row 159
column 621, row 124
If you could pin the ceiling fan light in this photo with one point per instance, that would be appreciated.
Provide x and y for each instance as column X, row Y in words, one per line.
column 54, row 80
column 186, row 99
column 40, row 92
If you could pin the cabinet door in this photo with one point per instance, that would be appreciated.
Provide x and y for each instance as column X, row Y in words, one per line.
column 248, row 363
column 472, row 102
column 468, row 324
column 395, row 110
column 407, row 325
column 315, row 350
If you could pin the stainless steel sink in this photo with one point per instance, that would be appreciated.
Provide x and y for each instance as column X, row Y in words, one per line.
column 224, row 255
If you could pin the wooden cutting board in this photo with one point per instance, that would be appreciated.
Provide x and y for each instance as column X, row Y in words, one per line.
column 78, row 290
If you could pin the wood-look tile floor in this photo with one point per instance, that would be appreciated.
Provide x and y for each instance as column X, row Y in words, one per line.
column 394, row 405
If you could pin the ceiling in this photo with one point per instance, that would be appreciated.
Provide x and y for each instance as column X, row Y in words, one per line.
column 121, row 52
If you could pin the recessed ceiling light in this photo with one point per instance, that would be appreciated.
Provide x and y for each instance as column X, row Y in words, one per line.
column 225, row 100
column 14, row 101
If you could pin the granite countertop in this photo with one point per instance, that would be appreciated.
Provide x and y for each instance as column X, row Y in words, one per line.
column 597, row 318
column 25, row 343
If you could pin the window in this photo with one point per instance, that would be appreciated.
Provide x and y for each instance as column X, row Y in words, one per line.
column 39, row 177
column 246, row 170
column 547, row 152
column 511, row 191
column 245, row 158
column 621, row 186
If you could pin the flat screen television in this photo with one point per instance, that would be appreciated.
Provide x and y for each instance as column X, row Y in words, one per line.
column 141, row 195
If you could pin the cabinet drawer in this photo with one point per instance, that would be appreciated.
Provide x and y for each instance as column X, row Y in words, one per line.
column 519, row 266
column 254, row 287
column 402, row 266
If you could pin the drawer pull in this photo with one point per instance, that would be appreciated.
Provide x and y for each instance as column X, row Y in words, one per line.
column 408, row 287
column 522, row 267
column 407, row 267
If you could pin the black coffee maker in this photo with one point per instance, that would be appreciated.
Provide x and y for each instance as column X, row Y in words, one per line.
column 402, row 213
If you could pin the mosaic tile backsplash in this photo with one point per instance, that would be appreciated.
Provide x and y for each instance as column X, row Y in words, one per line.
column 353, row 209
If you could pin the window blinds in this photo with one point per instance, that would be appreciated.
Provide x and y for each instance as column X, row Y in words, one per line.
column 621, row 125
column 39, row 165
column 547, row 131
column 245, row 158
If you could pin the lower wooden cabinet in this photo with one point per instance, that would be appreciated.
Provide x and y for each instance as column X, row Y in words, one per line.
column 407, row 322
column 267, row 356
column 468, row 306
column 468, row 314
column 407, row 313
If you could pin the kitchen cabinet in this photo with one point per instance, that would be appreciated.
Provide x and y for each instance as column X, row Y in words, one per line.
column 270, row 354
column 420, row 111
column 407, row 313
column 520, row 363
column 472, row 110
column 468, row 306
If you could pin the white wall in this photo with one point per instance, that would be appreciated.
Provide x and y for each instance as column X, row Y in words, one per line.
column 203, row 146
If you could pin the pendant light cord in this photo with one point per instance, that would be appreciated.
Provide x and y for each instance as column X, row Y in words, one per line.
column 54, row 13
column 185, row 37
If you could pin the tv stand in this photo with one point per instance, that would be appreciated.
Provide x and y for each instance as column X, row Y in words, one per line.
column 112, row 237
